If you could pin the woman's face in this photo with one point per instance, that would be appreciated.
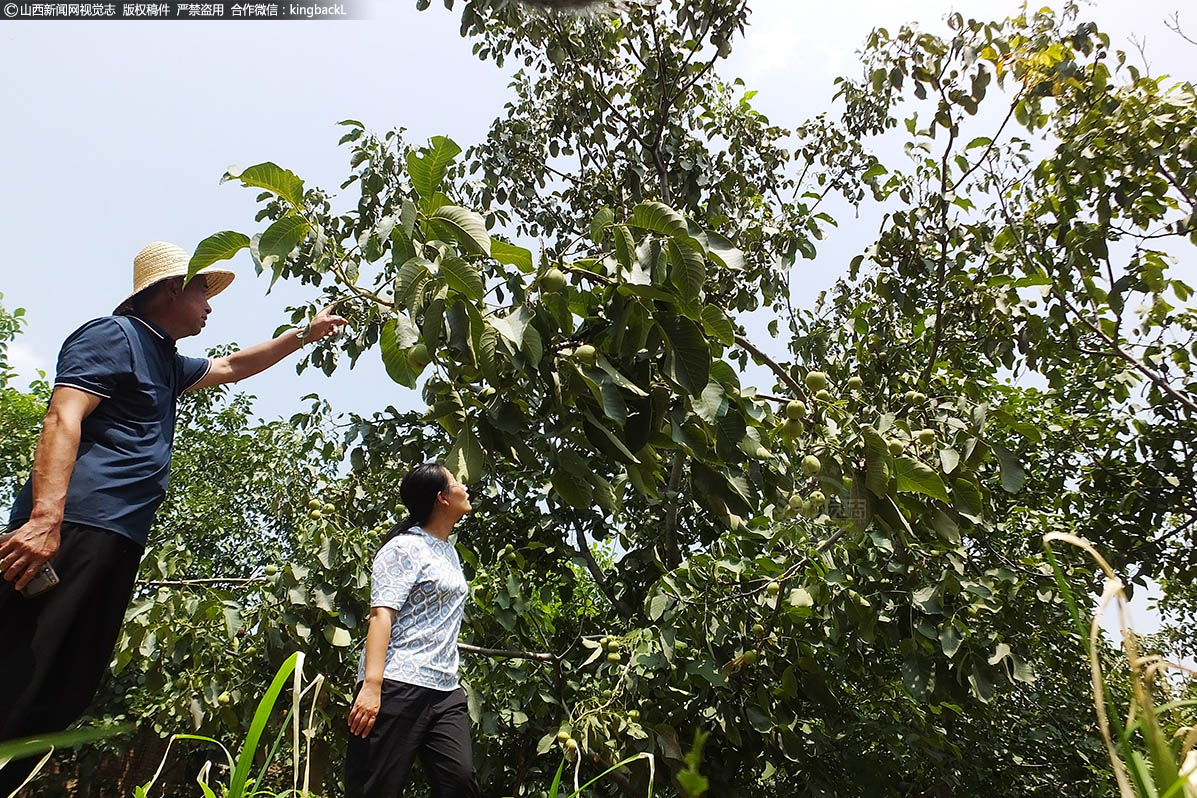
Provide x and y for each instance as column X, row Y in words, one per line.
column 457, row 496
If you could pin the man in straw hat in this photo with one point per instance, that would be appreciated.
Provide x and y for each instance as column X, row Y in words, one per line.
column 100, row 472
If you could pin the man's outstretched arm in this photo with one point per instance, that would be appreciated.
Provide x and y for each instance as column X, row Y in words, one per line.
column 252, row 360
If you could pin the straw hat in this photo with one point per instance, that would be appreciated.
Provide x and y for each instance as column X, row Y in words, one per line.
column 160, row 260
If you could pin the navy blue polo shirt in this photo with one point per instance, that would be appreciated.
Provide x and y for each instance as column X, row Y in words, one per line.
column 123, row 465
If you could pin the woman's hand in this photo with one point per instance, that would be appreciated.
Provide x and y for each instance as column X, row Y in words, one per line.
column 365, row 709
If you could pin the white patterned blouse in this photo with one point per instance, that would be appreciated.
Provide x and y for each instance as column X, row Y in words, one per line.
column 420, row 577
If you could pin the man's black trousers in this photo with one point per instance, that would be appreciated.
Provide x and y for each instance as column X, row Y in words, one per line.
column 55, row 648
column 413, row 721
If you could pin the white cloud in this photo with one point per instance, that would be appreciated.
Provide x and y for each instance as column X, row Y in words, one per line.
column 26, row 362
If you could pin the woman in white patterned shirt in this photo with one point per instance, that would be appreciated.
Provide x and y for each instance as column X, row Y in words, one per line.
column 409, row 702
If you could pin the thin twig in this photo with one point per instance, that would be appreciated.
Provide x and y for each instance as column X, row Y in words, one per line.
column 507, row 653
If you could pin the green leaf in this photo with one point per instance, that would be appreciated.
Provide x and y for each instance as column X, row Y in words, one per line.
column 620, row 450
column 338, row 636
column 571, row 481
column 513, row 325
column 967, row 499
column 600, row 222
column 237, row 782
column 949, row 640
column 463, row 277
column 688, row 269
column 533, row 345
column 617, row 378
column 412, row 275
column 874, row 171
column 31, row 746
column 916, row 677
column 1023, row 428
column 708, row 405
column 273, row 178
column 218, row 246
column 403, row 248
column 398, row 335
column 718, row 325
column 877, row 462
column 724, row 253
column 468, row 228
column 656, row 607
column 1013, row 475
column 659, row 218
column 465, row 459
column 427, row 166
column 916, row 477
column 688, row 358
column 282, row 237
column 625, row 246
column 512, row 255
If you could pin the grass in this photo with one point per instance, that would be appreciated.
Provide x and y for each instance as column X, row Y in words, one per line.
column 1144, row 758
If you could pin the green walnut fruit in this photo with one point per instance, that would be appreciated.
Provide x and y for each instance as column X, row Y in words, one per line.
column 418, row 357
column 271, row 570
column 562, row 735
column 855, row 383
column 773, row 588
column 811, row 465
column 823, row 396
column 817, row 499
column 795, row 409
column 614, row 657
column 896, row 447
column 586, row 354
column 751, row 657
column 553, row 280
column 927, row 437
column 315, row 504
column 795, row 501
column 225, row 698
column 758, row 629
column 914, row 398
column 315, row 515
column 571, row 744
column 330, row 508
column 815, row 380
column 792, row 428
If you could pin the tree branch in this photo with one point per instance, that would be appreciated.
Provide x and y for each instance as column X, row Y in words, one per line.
column 1130, row 359
column 218, row 580
column 989, row 149
column 673, row 556
column 507, row 653
column 781, row 373
column 941, row 269
column 600, row 578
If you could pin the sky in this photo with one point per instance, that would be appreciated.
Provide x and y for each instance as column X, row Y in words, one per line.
column 118, row 133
